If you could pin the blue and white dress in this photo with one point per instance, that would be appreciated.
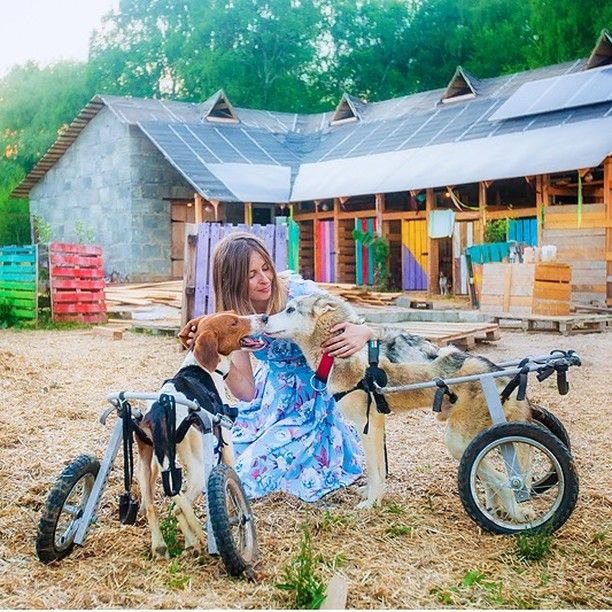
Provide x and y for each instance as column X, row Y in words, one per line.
column 290, row 438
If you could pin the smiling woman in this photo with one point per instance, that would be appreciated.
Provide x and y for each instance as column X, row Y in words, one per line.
column 287, row 436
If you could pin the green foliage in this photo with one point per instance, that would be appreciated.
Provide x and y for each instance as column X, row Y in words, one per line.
column 7, row 315
column 86, row 234
column 177, row 580
column 301, row 577
column 170, row 531
column 381, row 251
column 534, row 546
column 399, row 530
column 496, row 231
column 43, row 232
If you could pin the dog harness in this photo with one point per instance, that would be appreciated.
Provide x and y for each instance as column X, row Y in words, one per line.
column 374, row 378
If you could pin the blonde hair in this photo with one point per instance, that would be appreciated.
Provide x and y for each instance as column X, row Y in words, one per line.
column 230, row 269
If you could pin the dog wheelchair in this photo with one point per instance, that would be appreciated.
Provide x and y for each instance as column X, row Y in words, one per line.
column 71, row 505
column 528, row 464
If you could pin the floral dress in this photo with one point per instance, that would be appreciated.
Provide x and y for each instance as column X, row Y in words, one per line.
column 290, row 438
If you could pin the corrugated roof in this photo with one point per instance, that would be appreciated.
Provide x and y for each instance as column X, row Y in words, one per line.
column 420, row 141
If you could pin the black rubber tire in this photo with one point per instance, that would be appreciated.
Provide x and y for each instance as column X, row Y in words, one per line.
column 527, row 431
column 554, row 425
column 224, row 487
column 47, row 548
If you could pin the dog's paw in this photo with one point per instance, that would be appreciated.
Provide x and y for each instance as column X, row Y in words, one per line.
column 367, row 503
column 160, row 551
column 362, row 491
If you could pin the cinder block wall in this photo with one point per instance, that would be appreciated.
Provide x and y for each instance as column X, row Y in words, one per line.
column 114, row 180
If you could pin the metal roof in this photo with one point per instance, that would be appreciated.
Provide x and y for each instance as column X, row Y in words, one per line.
column 412, row 142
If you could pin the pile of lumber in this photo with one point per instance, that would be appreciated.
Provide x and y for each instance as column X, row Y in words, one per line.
column 360, row 295
column 167, row 293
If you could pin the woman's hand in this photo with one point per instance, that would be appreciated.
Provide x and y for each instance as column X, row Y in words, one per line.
column 347, row 339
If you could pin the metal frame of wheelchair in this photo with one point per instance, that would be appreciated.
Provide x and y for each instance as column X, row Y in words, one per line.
column 52, row 546
column 548, row 436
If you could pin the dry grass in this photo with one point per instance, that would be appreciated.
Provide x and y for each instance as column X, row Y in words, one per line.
column 418, row 551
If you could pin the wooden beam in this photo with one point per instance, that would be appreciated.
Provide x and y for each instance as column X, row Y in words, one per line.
column 482, row 210
column 379, row 205
column 336, row 238
column 199, row 207
column 215, row 205
column 432, row 247
column 248, row 213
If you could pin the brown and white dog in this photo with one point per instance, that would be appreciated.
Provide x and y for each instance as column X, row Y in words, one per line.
column 406, row 359
column 217, row 336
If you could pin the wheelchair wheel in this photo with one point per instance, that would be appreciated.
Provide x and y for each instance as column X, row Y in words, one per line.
column 499, row 475
column 554, row 425
column 66, row 502
column 232, row 520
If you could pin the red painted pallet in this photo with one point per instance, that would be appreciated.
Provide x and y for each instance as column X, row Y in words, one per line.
column 76, row 283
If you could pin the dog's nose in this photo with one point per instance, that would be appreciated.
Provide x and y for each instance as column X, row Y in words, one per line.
column 264, row 318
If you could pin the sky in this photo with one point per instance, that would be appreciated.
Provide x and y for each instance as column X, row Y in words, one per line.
column 48, row 30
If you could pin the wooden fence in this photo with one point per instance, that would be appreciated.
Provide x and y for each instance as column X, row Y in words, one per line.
column 19, row 282
column 199, row 246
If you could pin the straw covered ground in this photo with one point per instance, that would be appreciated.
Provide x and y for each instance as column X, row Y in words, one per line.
column 420, row 550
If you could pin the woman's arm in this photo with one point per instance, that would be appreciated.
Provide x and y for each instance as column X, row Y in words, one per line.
column 347, row 339
column 240, row 379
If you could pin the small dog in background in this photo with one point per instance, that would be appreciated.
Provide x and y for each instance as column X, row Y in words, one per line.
column 443, row 284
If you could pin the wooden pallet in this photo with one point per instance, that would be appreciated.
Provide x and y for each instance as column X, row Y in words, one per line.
column 462, row 335
column 566, row 326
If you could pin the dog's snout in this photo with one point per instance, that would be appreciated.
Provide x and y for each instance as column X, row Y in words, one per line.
column 264, row 318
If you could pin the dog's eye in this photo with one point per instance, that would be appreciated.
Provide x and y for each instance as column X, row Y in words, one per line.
column 234, row 323
column 290, row 310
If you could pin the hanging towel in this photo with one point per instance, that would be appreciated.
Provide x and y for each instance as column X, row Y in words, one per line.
column 441, row 223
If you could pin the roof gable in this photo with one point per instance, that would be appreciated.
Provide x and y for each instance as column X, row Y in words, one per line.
column 602, row 53
column 461, row 87
column 219, row 109
column 348, row 109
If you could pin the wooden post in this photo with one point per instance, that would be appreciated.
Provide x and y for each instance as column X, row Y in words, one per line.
column 248, row 213
column 432, row 247
column 315, row 240
column 607, row 197
column 337, row 239
column 199, row 207
column 482, row 210
column 380, row 209
column 542, row 201
column 215, row 205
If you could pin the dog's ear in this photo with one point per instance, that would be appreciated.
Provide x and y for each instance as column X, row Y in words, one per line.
column 206, row 350
column 184, row 333
column 323, row 305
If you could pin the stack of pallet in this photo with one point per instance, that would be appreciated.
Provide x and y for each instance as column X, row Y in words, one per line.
column 360, row 295
column 167, row 293
column 526, row 289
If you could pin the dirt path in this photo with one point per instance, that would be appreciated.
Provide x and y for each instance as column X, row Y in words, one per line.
column 419, row 550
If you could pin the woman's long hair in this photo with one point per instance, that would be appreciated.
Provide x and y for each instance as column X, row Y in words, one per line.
column 231, row 274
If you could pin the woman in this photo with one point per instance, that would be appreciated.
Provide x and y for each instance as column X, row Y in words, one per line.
column 286, row 437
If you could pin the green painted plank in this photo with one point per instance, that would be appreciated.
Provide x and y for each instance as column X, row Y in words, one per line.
column 17, row 295
column 20, row 286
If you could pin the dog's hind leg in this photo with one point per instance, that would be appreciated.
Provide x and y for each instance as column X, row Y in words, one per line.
column 146, row 474
column 192, row 458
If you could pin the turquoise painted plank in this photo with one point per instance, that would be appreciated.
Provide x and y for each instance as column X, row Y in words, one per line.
column 358, row 256
column 17, row 257
column 16, row 276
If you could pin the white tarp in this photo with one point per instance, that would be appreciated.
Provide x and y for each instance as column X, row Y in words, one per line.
column 255, row 182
